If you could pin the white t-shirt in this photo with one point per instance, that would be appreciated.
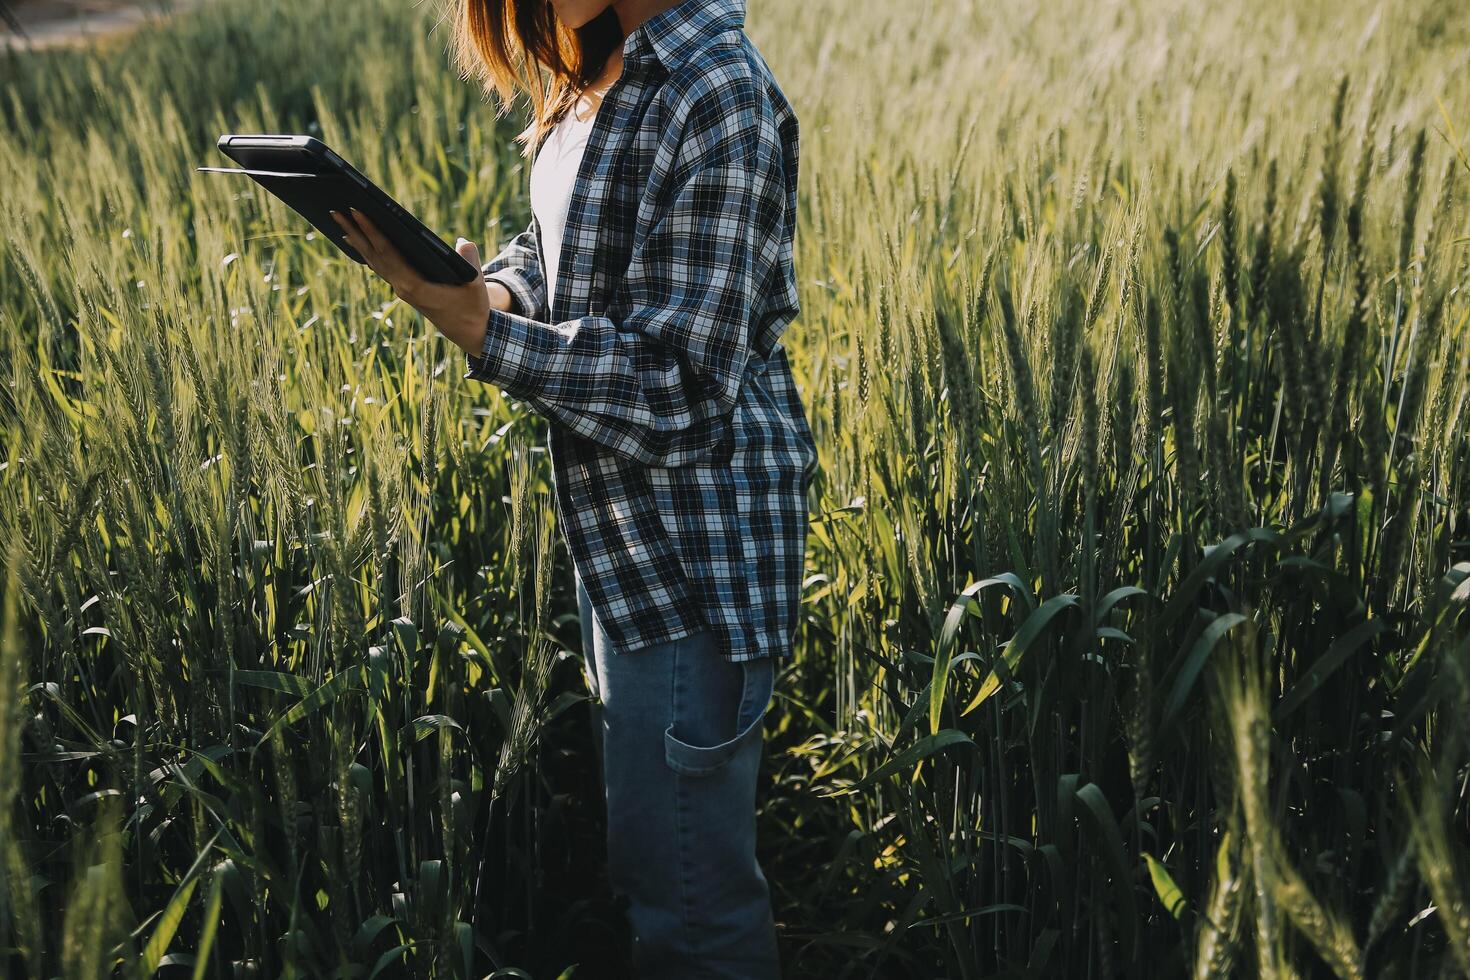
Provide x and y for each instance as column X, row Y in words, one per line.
column 553, row 174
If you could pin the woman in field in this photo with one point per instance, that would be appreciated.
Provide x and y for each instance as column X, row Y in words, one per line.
column 640, row 313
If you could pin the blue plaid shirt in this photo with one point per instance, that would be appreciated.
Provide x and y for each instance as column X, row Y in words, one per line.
column 680, row 448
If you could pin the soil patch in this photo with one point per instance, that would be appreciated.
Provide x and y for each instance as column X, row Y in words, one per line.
column 28, row 24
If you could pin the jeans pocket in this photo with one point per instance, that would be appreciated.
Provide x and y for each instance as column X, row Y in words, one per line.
column 757, row 687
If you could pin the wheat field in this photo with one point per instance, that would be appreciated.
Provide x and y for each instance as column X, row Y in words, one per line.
column 1136, row 630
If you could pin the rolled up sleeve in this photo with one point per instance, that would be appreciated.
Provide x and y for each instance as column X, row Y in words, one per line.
column 518, row 268
column 659, row 385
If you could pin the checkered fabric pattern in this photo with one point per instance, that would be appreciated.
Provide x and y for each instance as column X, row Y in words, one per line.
column 680, row 448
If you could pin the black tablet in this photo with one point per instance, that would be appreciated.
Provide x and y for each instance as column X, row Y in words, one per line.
column 305, row 173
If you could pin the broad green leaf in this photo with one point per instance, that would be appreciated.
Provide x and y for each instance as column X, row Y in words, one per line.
column 168, row 924
column 1021, row 642
column 943, row 658
column 334, row 688
column 968, row 914
column 387, row 959
column 1194, row 663
column 425, row 725
column 211, row 924
column 1107, row 603
column 1095, row 805
column 1214, row 560
column 1324, row 666
column 922, row 749
column 274, row 680
column 1164, row 886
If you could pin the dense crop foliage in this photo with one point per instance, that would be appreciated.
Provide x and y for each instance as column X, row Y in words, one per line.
column 1136, row 341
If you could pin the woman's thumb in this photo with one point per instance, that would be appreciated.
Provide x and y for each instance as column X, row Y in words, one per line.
column 468, row 250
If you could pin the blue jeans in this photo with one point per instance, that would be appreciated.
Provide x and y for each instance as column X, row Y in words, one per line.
column 681, row 747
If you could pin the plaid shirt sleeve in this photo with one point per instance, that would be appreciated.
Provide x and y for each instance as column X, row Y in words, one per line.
column 659, row 386
column 518, row 269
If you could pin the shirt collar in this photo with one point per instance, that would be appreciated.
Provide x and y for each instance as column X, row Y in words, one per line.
column 671, row 36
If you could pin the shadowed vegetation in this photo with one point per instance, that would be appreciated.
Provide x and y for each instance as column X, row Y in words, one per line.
column 1135, row 641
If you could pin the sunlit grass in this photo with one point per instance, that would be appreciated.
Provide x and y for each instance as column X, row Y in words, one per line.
column 1136, row 344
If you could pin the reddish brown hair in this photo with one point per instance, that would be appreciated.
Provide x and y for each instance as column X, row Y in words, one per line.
column 515, row 46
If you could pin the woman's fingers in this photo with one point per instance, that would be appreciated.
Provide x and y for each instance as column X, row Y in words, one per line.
column 459, row 312
column 354, row 236
column 379, row 240
column 396, row 268
column 381, row 254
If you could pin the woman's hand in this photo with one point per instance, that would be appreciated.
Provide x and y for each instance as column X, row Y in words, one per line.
column 459, row 312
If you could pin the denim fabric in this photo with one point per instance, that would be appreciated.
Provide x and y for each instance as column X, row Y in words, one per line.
column 680, row 730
